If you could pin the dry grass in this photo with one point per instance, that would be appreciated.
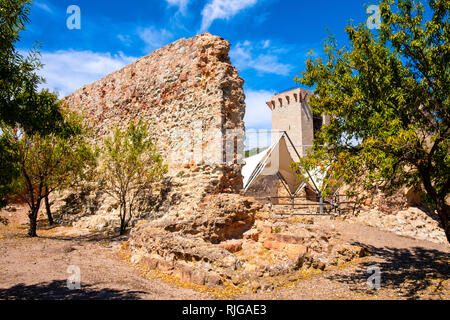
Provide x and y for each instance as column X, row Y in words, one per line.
column 229, row 290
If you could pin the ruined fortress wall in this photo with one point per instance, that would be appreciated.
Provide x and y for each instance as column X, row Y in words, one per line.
column 190, row 94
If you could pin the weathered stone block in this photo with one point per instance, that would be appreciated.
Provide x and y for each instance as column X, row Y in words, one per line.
column 291, row 250
column 231, row 246
column 165, row 265
column 252, row 234
column 152, row 263
column 212, row 279
column 286, row 238
column 198, row 277
column 294, row 250
column 272, row 245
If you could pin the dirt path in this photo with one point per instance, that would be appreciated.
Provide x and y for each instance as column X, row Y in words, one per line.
column 37, row 268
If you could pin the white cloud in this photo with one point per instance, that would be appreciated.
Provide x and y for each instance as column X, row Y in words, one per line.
column 155, row 39
column 43, row 6
column 257, row 113
column 125, row 39
column 181, row 4
column 223, row 9
column 67, row 71
column 243, row 57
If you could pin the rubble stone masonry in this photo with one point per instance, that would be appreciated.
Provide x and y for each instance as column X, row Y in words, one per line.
column 189, row 93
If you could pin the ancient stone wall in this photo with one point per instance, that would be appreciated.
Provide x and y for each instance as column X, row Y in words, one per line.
column 190, row 94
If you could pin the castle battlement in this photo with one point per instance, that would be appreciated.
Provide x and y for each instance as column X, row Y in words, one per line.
column 292, row 113
column 284, row 98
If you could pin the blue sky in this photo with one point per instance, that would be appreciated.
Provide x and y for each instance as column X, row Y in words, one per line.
column 270, row 38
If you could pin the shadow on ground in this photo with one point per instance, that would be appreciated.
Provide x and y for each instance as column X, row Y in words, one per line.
column 94, row 237
column 407, row 271
column 57, row 290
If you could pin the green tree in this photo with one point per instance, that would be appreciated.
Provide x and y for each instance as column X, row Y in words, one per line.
column 47, row 163
column 21, row 103
column 83, row 163
column 20, row 100
column 388, row 98
column 130, row 166
column 8, row 168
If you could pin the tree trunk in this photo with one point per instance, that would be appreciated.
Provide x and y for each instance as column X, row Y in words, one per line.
column 122, row 219
column 127, row 220
column 33, row 222
column 442, row 208
column 47, row 207
column 443, row 211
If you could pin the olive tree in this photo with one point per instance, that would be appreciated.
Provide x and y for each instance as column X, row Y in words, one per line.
column 46, row 163
column 130, row 166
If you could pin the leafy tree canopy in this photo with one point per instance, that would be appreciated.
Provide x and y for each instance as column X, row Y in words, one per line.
column 388, row 98
column 45, row 163
column 21, row 103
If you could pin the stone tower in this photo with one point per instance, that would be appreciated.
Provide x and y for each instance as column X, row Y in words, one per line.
column 292, row 113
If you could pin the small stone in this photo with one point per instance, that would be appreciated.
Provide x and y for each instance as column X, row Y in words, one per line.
column 152, row 263
column 198, row 277
column 136, row 259
column 292, row 278
column 213, row 279
column 231, row 246
column 165, row 265
column 252, row 234
column 293, row 250
column 254, row 286
column 67, row 249
column 235, row 279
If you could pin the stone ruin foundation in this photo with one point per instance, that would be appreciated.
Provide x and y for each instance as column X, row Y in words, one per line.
column 197, row 227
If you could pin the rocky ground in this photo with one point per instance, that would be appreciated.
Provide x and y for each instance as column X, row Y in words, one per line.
column 410, row 222
column 37, row 268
